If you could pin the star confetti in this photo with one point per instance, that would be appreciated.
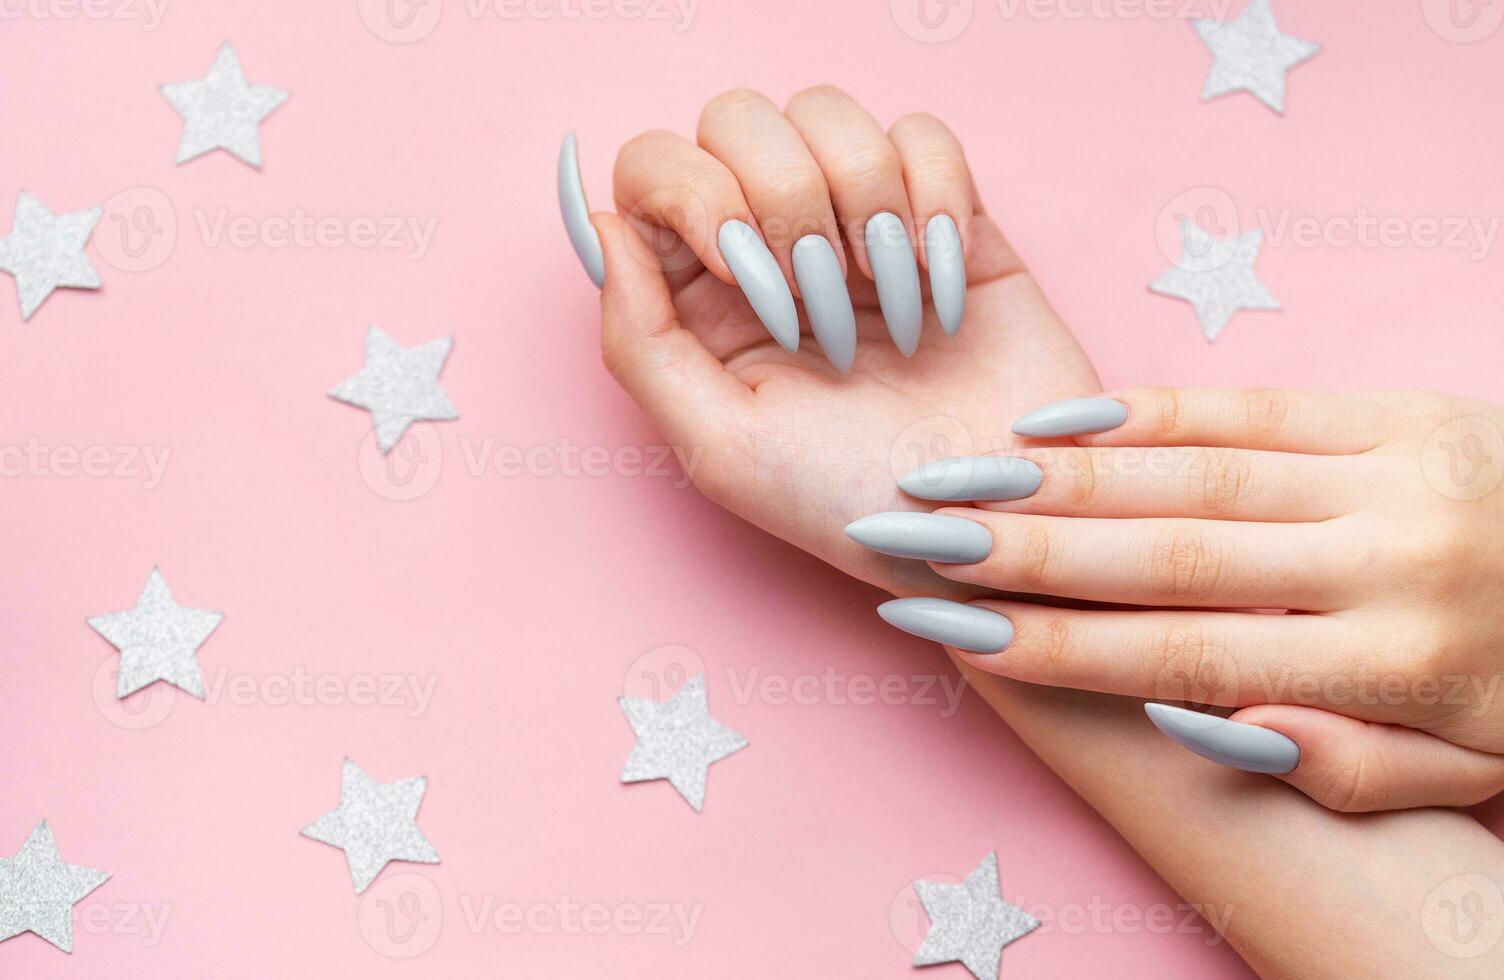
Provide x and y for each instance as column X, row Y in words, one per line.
column 677, row 740
column 38, row 889
column 45, row 250
column 222, row 111
column 375, row 823
column 1251, row 54
column 398, row 385
column 158, row 639
column 970, row 923
column 1215, row 275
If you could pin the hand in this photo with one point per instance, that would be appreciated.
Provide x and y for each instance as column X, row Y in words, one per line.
column 786, row 440
column 1377, row 521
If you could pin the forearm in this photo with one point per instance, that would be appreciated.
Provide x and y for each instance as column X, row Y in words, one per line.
column 1303, row 892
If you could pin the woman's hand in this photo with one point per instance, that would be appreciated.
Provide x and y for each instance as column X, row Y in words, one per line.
column 1376, row 520
column 788, row 440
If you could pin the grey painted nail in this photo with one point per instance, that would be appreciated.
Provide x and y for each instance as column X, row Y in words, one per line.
column 762, row 281
column 973, row 478
column 1073, row 417
column 1228, row 743
column 826, row 299
column 576, row 212
column 954, row 623
column 932, row 537
column 942, row 250
column 896, row 275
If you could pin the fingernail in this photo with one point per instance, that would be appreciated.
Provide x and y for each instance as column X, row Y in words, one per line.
column 576, row 212
column 762, row 282
column 973, row 478
column 826, row 299
column 897, row 277
column 1227, row 743
column 1073, row 417
column 932, row 537
column 969, row 628
column 942, row 249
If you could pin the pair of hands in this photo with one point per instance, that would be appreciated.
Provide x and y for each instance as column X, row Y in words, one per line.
column 1331, row 566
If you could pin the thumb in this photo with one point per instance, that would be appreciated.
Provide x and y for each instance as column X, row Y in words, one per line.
column 687, row 392
column 1358, row 766
column 1340, row 762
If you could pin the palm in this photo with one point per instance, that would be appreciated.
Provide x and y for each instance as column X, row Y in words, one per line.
column 816, row 450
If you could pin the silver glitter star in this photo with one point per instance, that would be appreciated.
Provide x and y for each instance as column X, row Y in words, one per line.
column 375, row 823
column 158, row 639
column 1215, row 275
column 38, row 889
column 1251, row 54
column 45, row 250
column 222, row 110
column 677, row 740
column 970, row 922
column 398, row 385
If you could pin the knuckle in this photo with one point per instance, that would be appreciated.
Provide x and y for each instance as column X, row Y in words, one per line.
column 1221, row 480
column 1184, row 566
column 1057, row 641
column 640, row 147
column 866, row 168
column 936, row 168
column 1355, row 783
column 815, row 96
column 1164, row 405
column 797, row 188
column 732, row 108
column 1265, row 411
column 1082, row 488
column 1193, row 665
column 1034, row 558
column 917, row 123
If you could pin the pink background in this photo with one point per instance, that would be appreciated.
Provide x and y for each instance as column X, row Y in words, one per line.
column 530, row 601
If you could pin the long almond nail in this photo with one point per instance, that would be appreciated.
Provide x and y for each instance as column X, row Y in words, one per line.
column 973, row 478
column 942, row 251
column 1227, row 743
column 896, row 275
column 956, row 624
column 930, row 537
column 576, row 212
column 762, row 281
column 1072, row 417
column 826, row 299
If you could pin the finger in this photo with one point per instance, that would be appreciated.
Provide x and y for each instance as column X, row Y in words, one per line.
column 787, row 193
column 664, row 181
column 689, row 394
column 1156, row 561
column 1188, row 481
column 1344, row 764
column 939, row 185
column 864, row 172
column 1242, row 418
column 1223, row 658
column 781, row 180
